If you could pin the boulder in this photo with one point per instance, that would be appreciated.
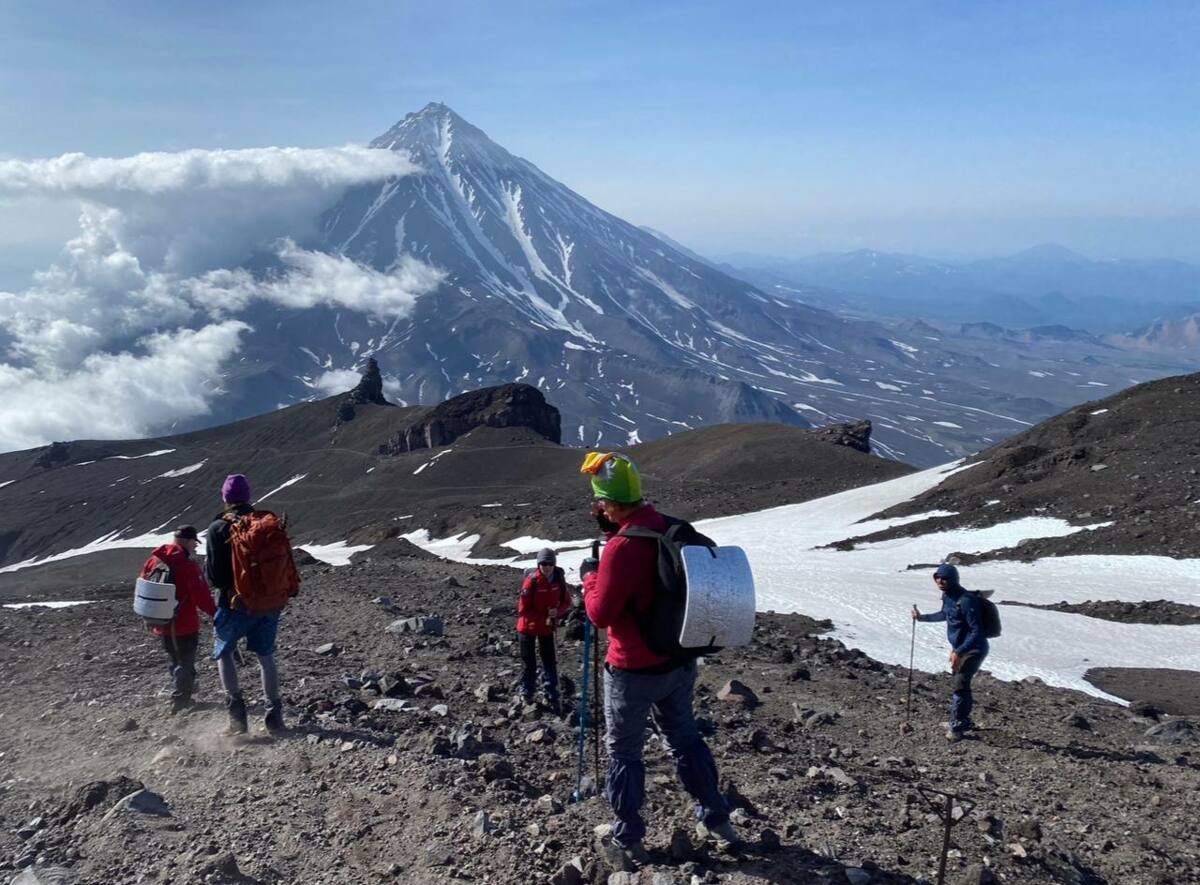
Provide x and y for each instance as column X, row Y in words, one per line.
column 737, row 692
column 142, row 802
column 391, row 705
column 422, row 626
column 1173, row 731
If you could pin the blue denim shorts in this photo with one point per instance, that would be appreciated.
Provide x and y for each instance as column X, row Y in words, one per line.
column 259, row 631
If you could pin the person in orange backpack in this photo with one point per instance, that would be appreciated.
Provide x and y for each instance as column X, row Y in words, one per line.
column 544, row 601
column 240, row 613
column 182, row 636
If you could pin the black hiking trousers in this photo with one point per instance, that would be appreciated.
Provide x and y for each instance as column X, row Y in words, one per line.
column 530, row 646
column 182, row 652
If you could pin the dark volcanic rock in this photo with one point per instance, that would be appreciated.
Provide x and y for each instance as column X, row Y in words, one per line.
column 368, row 391
column 512, row 405
column 856, row 436
column 53, row 455
column 370, row 388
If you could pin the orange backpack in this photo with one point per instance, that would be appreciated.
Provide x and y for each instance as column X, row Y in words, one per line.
column 264, row 572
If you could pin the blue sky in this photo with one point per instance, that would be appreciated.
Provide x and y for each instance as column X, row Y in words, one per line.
column 948, row 129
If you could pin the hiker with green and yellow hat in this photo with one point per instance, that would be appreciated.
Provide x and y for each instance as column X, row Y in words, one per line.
column 618, row 590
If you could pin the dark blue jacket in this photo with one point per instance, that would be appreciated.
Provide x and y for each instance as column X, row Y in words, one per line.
column 218, row 559
column 963, row 614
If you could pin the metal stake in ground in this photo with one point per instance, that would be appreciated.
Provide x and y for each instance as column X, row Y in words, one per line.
column 912, row 651
column 944, row 805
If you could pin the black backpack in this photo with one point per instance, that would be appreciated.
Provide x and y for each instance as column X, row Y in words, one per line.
column 661, row 623
column 990, row 613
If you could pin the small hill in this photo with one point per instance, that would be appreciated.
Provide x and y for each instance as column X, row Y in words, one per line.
column 357, row 469
column 1129, row 462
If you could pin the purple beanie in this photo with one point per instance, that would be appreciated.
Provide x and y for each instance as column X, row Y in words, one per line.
column 236, row 489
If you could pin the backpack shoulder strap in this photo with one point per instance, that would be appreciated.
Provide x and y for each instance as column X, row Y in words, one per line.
column 638, row 531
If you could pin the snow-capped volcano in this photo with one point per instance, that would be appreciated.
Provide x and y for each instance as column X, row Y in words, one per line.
column 629, row 336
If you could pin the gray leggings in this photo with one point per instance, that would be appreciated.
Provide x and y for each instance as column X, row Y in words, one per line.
column 227, row 668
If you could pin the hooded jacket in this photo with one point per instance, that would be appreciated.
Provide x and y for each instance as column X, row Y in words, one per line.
column 622, row 588
column 542, row 598
column 963, row 614
column 191, row 591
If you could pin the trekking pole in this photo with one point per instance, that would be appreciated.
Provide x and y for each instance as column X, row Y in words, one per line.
column 596, row 688
column 583, row 709
column 912, row 651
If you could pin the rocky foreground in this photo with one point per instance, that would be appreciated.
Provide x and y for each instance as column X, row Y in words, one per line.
column 408, row 761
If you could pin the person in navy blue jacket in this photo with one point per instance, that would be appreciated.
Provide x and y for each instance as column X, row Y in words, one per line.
column 963, row 614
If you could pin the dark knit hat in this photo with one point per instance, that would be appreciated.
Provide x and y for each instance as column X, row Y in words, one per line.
column 546, row 557
column 186, row 533
column 236, row 489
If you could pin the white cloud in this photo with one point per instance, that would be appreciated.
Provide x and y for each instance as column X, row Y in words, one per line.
column 336, row 381
column 121, row 395
column 158, row 259
column 313, row 278
column 79, row 175
column 192, row 211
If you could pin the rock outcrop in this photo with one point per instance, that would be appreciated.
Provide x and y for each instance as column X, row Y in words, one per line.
column 368, row 391
column 370, row 388
column 53, row 455
column 511, row 405
column 855, row 436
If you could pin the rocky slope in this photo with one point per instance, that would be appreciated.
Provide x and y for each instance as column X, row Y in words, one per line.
column 1126, row 464
column 449, row 780
column 352, row 469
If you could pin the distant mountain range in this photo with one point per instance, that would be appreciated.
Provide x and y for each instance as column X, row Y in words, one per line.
column 1045, row 285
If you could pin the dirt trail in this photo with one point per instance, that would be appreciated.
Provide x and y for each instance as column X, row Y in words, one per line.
column 458, row 788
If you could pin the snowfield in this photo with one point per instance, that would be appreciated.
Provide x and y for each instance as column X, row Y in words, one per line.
column 867, row 592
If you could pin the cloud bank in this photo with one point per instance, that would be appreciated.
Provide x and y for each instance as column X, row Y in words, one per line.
column 121, row 395
column 142, row 306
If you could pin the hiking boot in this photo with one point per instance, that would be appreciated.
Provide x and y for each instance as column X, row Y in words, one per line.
column 954, row 735
column 723, row 834
column 274, row 720
column 618, row 858
column 237, row 715
column 178, row 705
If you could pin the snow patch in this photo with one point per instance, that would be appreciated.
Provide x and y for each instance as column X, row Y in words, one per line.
column 291, row 482
column 182, row 471
column 336, row 554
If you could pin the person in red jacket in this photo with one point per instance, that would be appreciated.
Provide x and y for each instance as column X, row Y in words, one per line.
column 544, row 601
column 182, row 636
column 637, row 681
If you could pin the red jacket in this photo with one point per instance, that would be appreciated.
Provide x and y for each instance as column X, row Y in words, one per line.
column 628, row 571
column 542, row 598
column 191, row 590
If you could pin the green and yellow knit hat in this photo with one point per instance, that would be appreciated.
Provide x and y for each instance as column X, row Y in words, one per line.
column 614, row 477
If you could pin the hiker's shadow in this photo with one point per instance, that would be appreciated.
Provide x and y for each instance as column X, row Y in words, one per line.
column 334, row 732
column 1087, row 754
column 792, row 865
